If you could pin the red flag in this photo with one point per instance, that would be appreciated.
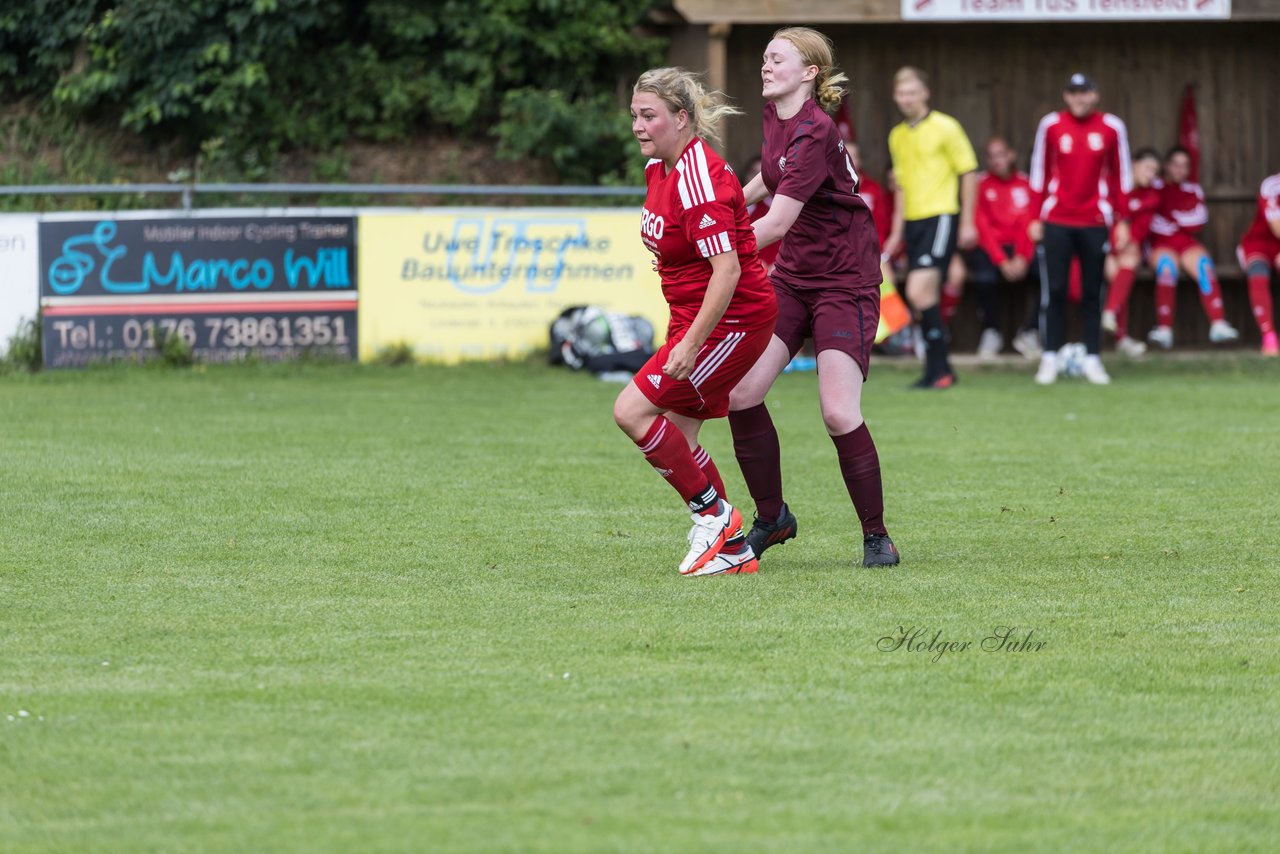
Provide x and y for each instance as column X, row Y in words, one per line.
column 844, row 125
column 1189, row 130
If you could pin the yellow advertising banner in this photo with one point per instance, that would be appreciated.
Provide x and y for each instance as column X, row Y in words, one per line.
column 484, row 283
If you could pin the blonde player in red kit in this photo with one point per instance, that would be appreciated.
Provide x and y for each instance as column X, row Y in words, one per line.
column 1259, row 254
column 722, row 307
column 827, row 279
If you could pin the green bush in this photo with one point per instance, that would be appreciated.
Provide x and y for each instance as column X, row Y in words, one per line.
column 26, row 349
column 241, row 80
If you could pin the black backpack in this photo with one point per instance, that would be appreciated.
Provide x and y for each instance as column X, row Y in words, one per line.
column 586, row 337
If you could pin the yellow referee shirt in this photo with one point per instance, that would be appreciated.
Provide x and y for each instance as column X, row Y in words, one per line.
column 928, row 160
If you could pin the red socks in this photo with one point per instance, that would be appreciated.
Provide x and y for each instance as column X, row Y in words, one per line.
column 665, row 448
column 708, row 466
column 1260, row 299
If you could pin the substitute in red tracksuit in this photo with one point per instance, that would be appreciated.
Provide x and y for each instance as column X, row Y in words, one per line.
column 1080, row 179
column 1122, row 265
column 1259, row 253
column 1004, row 252
column 1175, row 241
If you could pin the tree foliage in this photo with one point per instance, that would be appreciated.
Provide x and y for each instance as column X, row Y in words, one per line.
column 244, row 79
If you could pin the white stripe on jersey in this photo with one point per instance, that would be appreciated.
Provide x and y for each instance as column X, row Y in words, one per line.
column 694, row 181
column 701, row 176
column 722, row 351
column 716, row 244
column 686, row 202
column 1122, row 139
column 1038, row 153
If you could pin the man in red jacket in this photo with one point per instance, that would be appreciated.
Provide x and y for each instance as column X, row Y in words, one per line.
column 1080, row 179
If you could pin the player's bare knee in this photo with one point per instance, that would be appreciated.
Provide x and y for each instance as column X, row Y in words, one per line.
column 745, row 397
column 839, row 423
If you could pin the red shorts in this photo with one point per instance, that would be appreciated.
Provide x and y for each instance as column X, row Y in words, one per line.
column 1179, row 243
column 836, row 318
column 724, row 359
column 1266, row 249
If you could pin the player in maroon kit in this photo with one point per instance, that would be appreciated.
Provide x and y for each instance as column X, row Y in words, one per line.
column 1122, row 266
column 722, row 307
column 1175, row 232
column 1259, row 253
column 827, row 280
column 1080, row 178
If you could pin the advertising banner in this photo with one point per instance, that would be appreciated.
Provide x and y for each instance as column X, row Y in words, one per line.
column 976, row 11
column 273, row 286
column 486, row 283
column 19, row 273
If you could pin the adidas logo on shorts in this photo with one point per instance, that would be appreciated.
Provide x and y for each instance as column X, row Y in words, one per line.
column 706, row 222
column 656, row 379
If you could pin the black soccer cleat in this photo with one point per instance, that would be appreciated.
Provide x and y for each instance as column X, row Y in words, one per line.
column 879, row 550
column 765, row 534
column 943, row 381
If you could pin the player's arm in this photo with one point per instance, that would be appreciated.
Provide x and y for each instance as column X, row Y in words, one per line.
column 1272, row 213
column 964, row 162
column 782, row 214
column 894, row 241
column 755, row 190
column 967, row 237
column 725, row 272
column 1042, row 163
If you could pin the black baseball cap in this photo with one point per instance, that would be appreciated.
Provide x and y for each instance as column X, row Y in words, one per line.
column 1080, row 83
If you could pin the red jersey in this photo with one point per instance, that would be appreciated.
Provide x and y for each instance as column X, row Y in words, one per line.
column 1268, row 210
column 880, row 201
column 1181, row 209
column 1002, row 215
column 1080, row 171
column 832, row 243
column 1144, row 202
column 691, row 213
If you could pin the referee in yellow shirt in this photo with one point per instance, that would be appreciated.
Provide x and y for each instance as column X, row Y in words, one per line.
column 935, row 169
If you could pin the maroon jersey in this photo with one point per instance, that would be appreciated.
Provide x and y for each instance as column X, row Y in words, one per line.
column 1080, row 171
column 691, row 213
column 880, row 201
column 1268, row 210
column 1181, row 210
column 1002, row 214
column 833, row 241
column 1143, row 204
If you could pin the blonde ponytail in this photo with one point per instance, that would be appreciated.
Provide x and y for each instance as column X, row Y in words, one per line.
column 815, row 49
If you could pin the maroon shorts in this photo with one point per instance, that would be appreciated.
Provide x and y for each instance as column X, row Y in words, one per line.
column 1178, row 243
column 724, row 359
column 1265, row 249
column 835, row 318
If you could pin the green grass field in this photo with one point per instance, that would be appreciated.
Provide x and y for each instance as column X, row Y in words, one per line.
column 328, row 608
